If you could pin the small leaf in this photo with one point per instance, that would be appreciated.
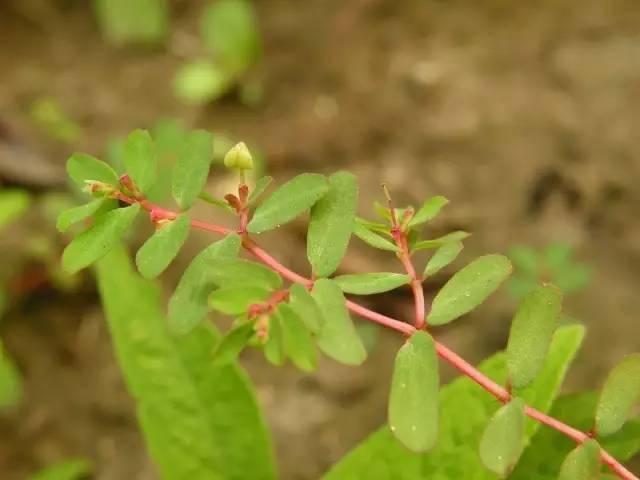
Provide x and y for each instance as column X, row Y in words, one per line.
column 260, row 187
column 443, row 257
column 205, row 197
column 140, row 159
column 468, row 288
column 188, row 304
column 439, row 242
column 503, row 439
column 619, row 394
column 78, row 214
column 191, row 170
column 274, row 348
column 236, row 300
column 162, row 247
column 232, row 345
column 428, row 211
column 413, row 401
column 13, row 203
column 370, row 283
column 298, row 345
column 306, row 307
column 531, row 333
column 525, row 259
column 83, row 168
column 64, row 470
column 232, row 272
column 373, row 239
column 201, row 81
column 583, row 463
column 331, row 224
column 338, row 337
column 97, row 240
column 287, row 202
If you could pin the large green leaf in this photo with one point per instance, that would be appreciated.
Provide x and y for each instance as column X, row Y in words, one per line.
column 188, row 304
column 331, row 224
column 465, row 410
column 468, row 288
column 287, row 202
column 370, row 283
column 83, row 168
column 162, row 247
column 620, row 393
column 413, row 401
column 199, row 421
column 191, row 170
column 96, row 241
column 140, row 160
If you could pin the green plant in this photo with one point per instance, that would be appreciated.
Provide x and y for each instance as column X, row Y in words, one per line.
column 197, row 411
column 133, row 21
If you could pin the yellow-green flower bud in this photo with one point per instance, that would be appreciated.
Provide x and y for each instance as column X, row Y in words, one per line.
column 239, row 157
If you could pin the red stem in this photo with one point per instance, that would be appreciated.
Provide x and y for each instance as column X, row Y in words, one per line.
column 443, row 351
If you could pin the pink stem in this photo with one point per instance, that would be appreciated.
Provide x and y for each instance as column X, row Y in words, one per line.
column 443, row 351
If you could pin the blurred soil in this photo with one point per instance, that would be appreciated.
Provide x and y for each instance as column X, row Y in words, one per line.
column 524, row 114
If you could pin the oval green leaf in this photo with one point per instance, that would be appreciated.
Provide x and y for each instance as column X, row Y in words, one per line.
column 338, row 337
column 582, row 463
column 97, row 240
column 191, row 170
column 468, row 288
column 331, row 224
column 370, row 283
column 237, row 300
column 162, row 247
column 440, row 241
column 78, row 214
column 428, row 211
column 306, row 307
column 531, row 333
column 619, row 394
column 373, row 239
column 443, row 257
column 413, row 401
column 287, row 202
column 274, row 348
column 140, row 161
column 235, row 272
column 232, row 344
column 298, row 345
column 503, row 439
column 83, row 168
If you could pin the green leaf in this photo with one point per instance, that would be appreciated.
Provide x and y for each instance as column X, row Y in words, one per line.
column 583, row 463
column 205, row 197
column 65, row 470
column 13, row 203
column 230, row 31
column 78, row 214
column 234, row 272
column 306, row 307
column 331, row 224
column 83, row 168
column 531, row 333
column 260, row 187
column 188, row 304
column 140, row 160
column 338, row 337
column 191, row 170
column 370, row 283
column 443, row 257
column 373, row 239
column 413, row 401
column 525, row 259
column 232, row 344
column 296, row 339
column 97, row 240
column 274, row 347
column 468, row 288
column 133, row 21
column 465, row 411
column 619, row 394
column 502, row 442
column 162, row 247
column 287, row 202
column 237, row 300
column 439, row 242
column 201, row 81
column 10, row 381
column 428, row 211
column 199, row 421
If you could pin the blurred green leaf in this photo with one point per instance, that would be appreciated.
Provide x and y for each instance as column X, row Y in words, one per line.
column 82, row 168
column 525, row 259
column 428, row 211
column 306, row 307
column 557, row 255
column 78, row 214
column 620, row 393
column 236, row 300
column 287, row 202
column 503, row 440
column 573, row 278
column 163, row 246
column 296, row 339
column 331, row 224
column 468, row 288
column 64, row 470
column 50, row 116
column 413, row 401
column 338, row 337
column 370, row 283
column 583, row 463
column 190, row 172
column 140, row 159
column 232, row 344
column 13, row 203
column 531, row 332
column 133, row 21
column 372, row 239
column 201, row 81
column 442, row 257
column 439, row 242
column 96, row 241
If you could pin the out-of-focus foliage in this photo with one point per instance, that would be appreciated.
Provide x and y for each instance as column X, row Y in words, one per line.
column 77, row 469
column 133, row 21
column 48, row 114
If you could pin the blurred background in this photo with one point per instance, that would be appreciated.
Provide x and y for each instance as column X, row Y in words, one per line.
column 525, row 115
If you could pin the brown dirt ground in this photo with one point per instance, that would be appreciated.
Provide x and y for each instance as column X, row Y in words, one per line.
column 524, row 115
